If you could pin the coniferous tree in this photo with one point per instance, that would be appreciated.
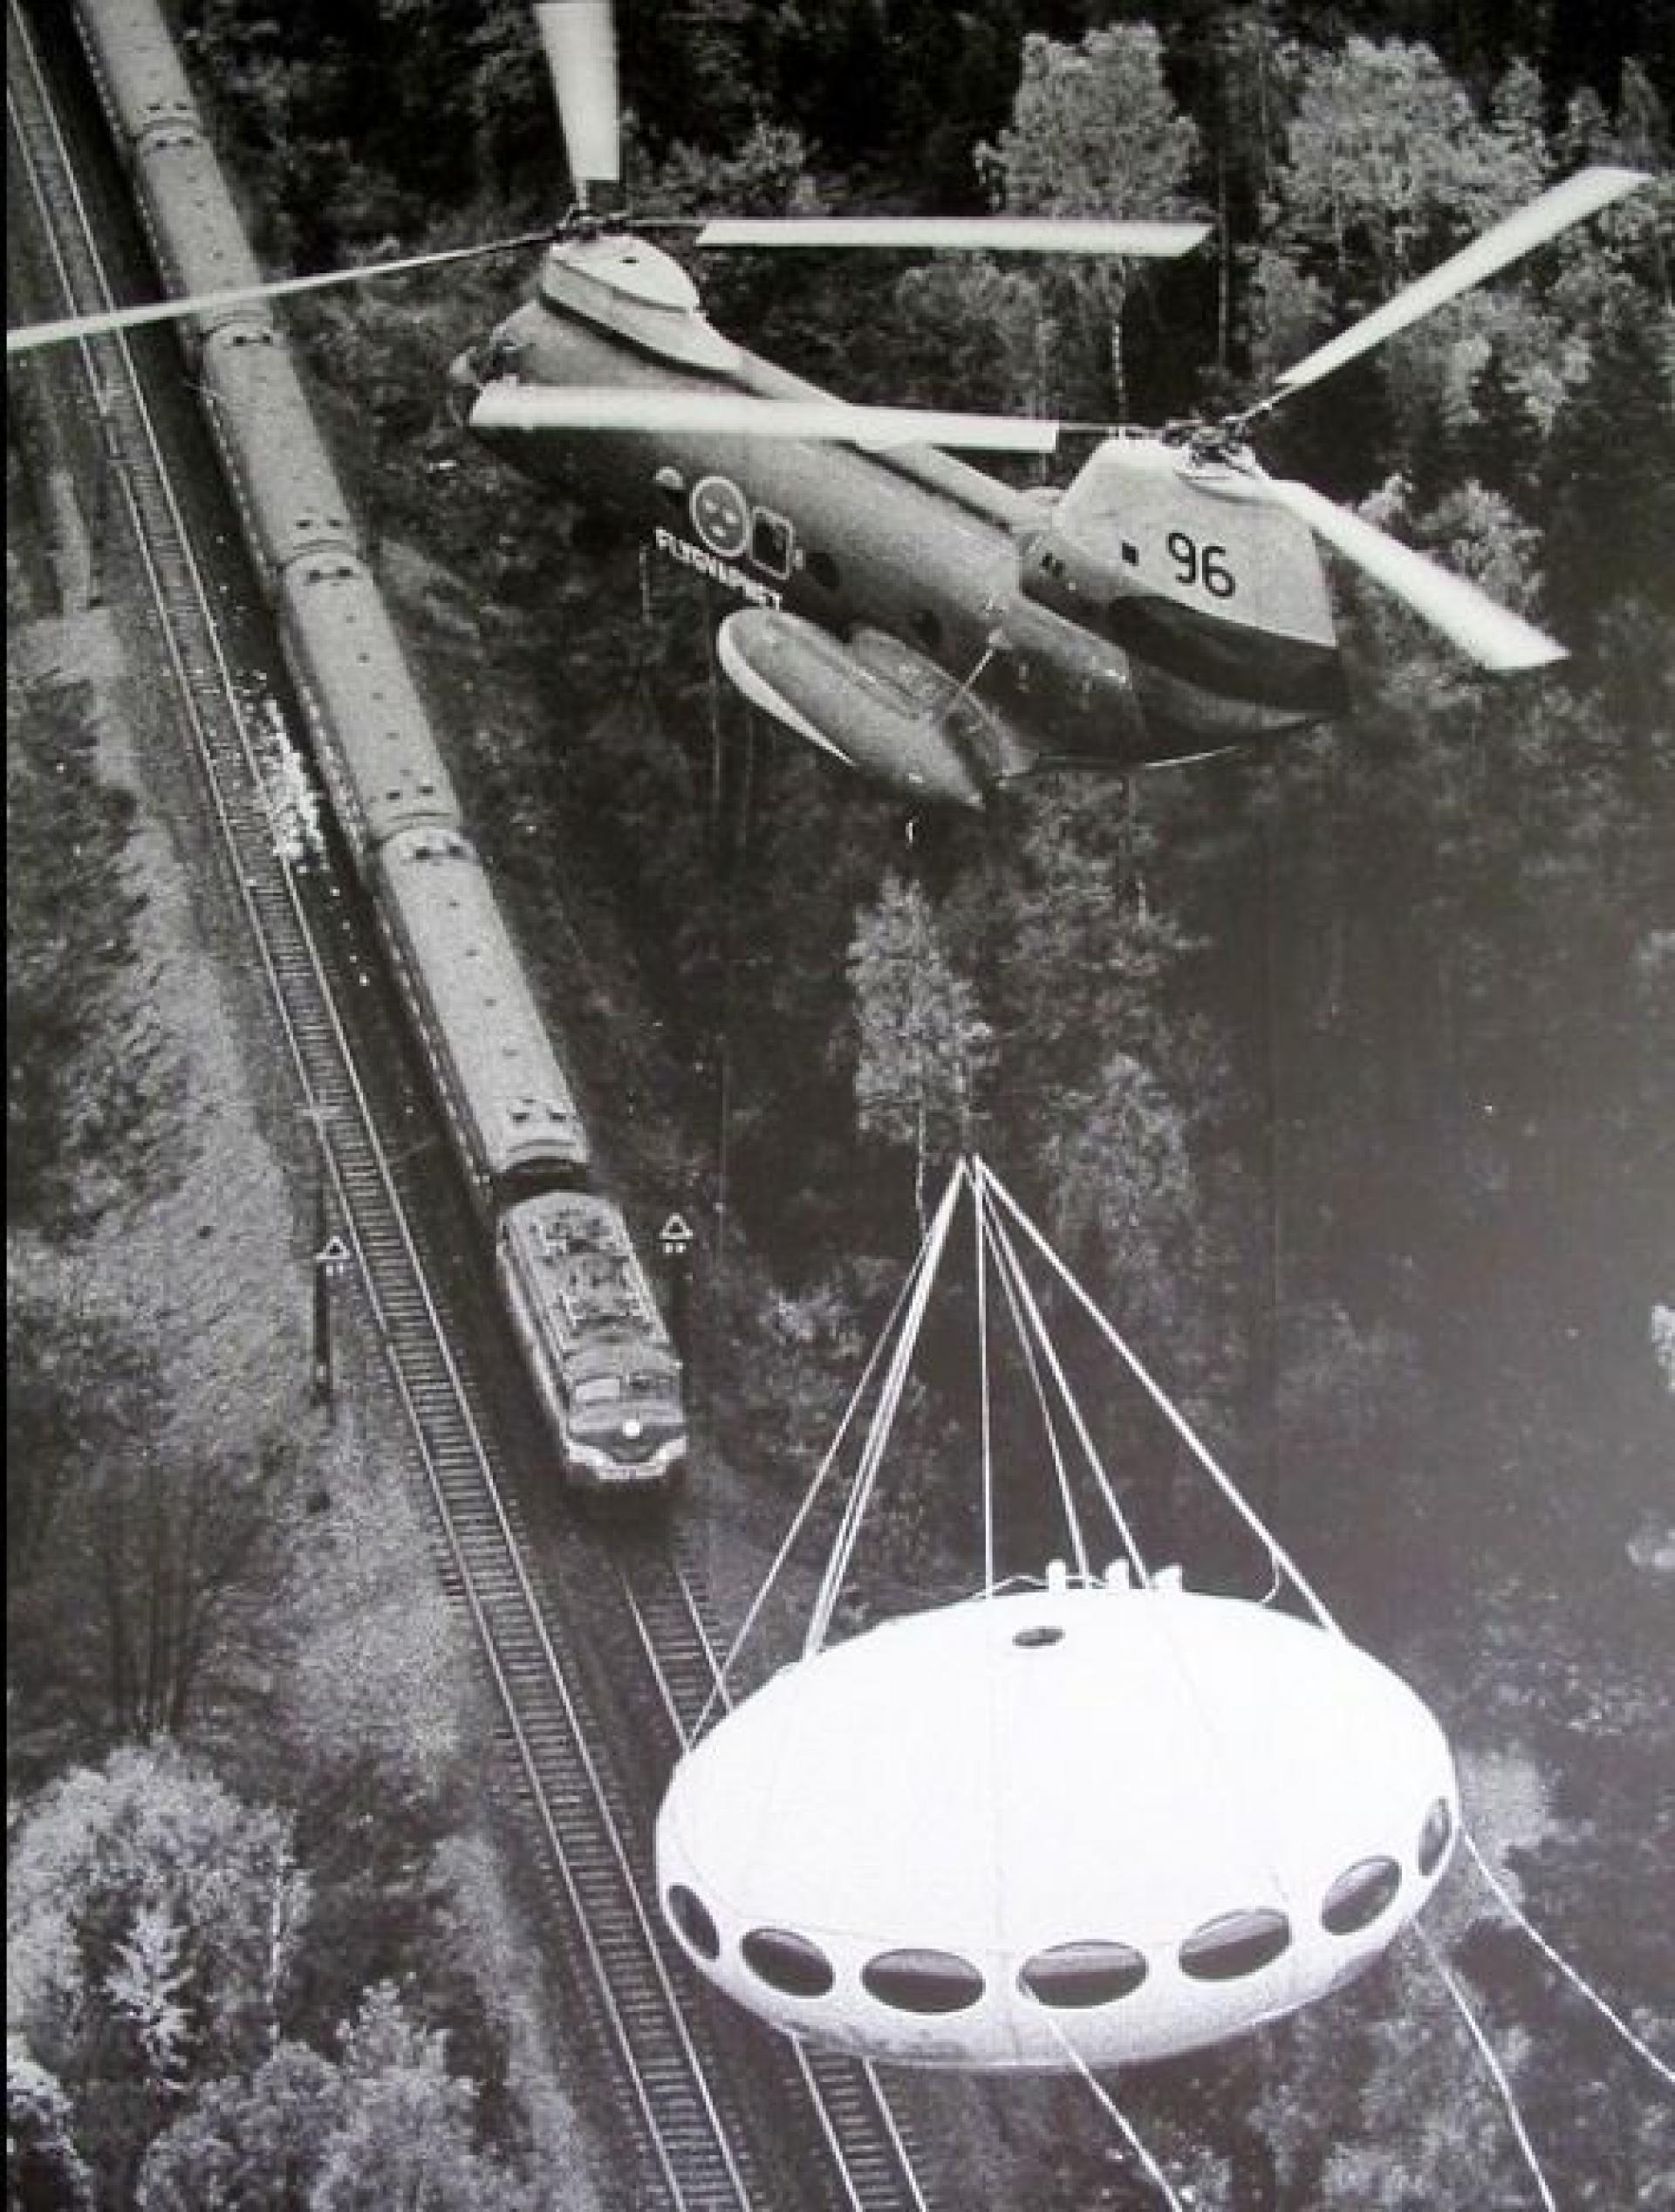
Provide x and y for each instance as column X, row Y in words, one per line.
column 923, row 1045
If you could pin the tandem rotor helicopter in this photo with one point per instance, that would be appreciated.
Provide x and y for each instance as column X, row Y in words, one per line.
column 927, row 625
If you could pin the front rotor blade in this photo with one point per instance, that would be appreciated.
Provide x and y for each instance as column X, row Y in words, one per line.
column 1491, row 633
column 511, row 406
column 966, row 234
column 581, row 48
column 30, row 335
column 1583, row 194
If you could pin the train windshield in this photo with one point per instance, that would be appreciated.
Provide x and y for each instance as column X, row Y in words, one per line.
column 554, row 1169
column 644, row 1398
column 599, row 1390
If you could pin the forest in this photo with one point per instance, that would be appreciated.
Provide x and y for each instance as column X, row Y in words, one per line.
column 1342, row 1072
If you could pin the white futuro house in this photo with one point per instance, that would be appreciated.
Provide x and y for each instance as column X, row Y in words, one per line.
column 1090, row 1823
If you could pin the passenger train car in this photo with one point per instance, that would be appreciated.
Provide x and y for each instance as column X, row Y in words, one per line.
column 603, row 1365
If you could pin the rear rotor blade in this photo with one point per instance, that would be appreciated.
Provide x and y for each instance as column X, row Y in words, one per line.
column 1583, row 194
column 969, row 234
column 1491, row 633
column 581, row 48
column 28, row 336
column 509, row 406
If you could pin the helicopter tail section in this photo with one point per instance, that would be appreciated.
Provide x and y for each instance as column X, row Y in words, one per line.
column 1214, row 589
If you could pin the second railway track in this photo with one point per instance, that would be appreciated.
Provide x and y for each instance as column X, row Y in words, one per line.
column 691, row 2137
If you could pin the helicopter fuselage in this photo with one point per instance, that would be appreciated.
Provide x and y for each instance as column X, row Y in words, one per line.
column 901, row 608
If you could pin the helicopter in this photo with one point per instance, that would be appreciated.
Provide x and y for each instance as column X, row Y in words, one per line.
column 918, row 619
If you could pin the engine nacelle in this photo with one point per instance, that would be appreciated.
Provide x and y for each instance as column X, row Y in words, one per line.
column 873, row 702
column 1184, row 562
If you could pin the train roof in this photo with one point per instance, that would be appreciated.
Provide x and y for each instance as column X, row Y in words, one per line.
column 205, row 247
column 141, row 72
column 264, row 414
column 349, row 651
column 575, row 1255
column 482, row 1013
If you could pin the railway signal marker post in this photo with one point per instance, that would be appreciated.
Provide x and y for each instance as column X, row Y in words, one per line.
column 330, row 1261
column 674, row 1240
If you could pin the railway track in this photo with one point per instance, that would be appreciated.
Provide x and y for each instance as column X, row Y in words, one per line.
column 693, row 2141
column 685, row 1654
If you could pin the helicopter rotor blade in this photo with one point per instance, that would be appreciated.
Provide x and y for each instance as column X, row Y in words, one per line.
column 511, row 406
column 1580, row 196
column 580, row 41
column 970, row 234
column 28, row 336
column 1489, row 632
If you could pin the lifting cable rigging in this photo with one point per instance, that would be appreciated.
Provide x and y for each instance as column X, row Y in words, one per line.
column 1497, row 2073
column 1124, row 2125
column 996, row 1247
column 1578, row 1981
column 996, row 1215
column 984, row 1405
column 895, row 1383
column 720, row 1693
column 1154, row 1390
column 1045, row 1406
column 1012, row 1271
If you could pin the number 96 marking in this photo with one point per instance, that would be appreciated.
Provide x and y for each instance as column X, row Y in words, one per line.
column 1205, row 566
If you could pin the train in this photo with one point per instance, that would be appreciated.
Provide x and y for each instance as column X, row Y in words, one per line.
column 606, row 1370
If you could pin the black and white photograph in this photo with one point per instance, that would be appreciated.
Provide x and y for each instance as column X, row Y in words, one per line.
column 841, row 1105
